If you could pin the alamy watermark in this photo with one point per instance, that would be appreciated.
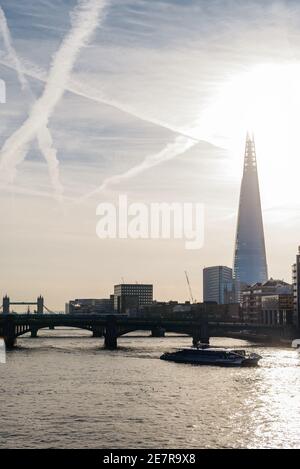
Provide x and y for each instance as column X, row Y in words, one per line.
column 2, row 101
column 2, row 92
column 162, row 220
column 2, row 351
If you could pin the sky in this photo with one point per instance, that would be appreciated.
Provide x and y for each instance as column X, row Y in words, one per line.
column 151, row 99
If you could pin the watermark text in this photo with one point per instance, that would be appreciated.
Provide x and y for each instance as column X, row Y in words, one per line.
column 163, row 220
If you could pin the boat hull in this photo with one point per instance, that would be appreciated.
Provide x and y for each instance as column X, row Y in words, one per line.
column 201, row 361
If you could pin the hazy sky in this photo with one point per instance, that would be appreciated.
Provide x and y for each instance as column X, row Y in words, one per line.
column 121, row 84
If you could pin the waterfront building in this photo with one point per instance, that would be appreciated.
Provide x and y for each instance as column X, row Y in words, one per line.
column 90, row 306
column 277, row 309
column 252, row 299
column 250, row 264
column 296, row 289
column 209, row 311
column 218, row 285
column 129, row 296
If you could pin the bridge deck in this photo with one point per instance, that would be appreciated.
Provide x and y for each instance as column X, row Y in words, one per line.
column 113, row 326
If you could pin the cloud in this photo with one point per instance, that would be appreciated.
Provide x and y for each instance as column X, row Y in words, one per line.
column 180, row 145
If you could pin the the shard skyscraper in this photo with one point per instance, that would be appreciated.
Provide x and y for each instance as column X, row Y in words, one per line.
column 250, row 264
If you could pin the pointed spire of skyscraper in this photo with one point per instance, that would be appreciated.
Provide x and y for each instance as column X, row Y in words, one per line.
column 250, row 263
column 250, row 153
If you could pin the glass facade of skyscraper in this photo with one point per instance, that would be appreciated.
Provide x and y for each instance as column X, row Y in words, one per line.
column 250, row 264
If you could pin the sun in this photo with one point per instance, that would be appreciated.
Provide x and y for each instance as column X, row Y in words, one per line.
column 265, row 100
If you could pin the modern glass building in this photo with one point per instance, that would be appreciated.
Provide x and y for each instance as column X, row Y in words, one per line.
column 218, row 285
column 250, row 264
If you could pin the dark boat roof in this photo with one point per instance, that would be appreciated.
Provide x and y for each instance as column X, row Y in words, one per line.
column 210, row 350
column 213, row 351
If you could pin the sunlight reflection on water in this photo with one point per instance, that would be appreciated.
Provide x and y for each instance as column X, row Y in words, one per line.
column 65, row 386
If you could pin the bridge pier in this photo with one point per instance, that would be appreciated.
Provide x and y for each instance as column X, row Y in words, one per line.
column 158, row 332
column 110, row 341
column 10, row 342
column 9, row 333
column 34, row 332
column 110, row 335
column 201, row 335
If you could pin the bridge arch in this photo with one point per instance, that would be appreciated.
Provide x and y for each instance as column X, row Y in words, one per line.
column 20, row 332
column 112, row 332
column 114, row 326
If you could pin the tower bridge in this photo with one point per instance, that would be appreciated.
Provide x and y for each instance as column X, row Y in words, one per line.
column 39, row 303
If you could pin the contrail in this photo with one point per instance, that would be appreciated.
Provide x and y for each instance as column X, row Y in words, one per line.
column 84, row 19
column 86, row 91
column 11, row 51
column 44, row 137
column 180, row 145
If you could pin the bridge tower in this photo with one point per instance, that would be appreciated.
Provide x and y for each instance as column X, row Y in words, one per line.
column 6, row 305
column 40, row 305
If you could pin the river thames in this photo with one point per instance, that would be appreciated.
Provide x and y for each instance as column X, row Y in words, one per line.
column 63, row 390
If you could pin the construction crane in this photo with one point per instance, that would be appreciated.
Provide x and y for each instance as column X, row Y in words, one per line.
column 189, row 285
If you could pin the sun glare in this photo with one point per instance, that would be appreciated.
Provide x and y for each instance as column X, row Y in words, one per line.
column 266, row 101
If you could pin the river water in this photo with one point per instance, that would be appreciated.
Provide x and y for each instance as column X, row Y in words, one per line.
column 63, row 390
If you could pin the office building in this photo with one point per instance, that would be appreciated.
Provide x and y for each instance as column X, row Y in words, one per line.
column 218, row 285
column 193, row 311
column 132, row 296
column 250, row 264
column 90, row 306
column 255, row 301
column 277, row 309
